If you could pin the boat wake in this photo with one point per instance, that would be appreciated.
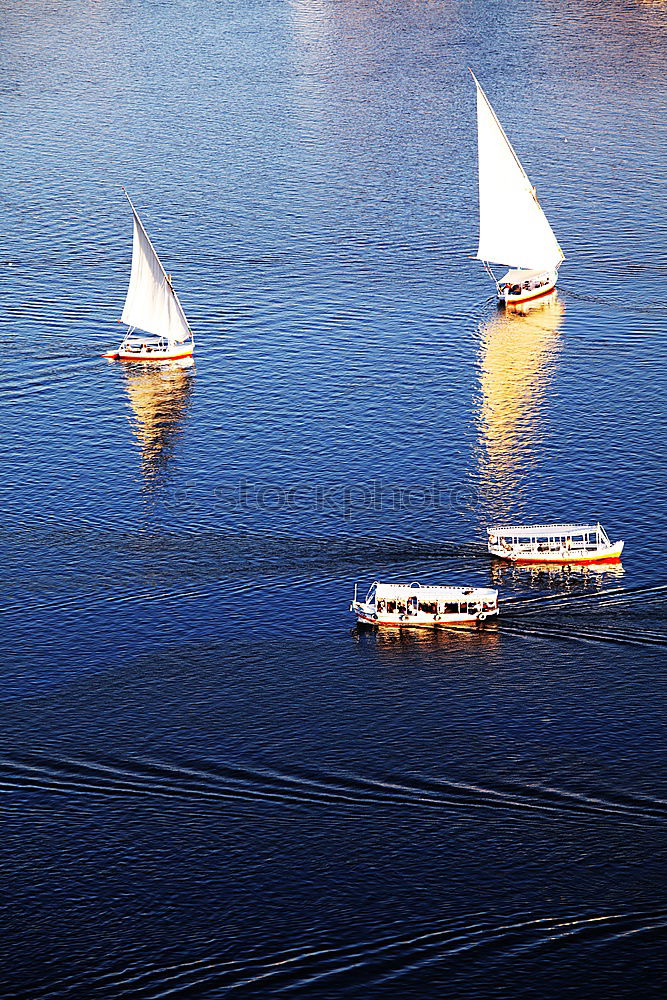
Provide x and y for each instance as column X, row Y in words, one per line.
column 643, row 601
column 547, row 631
column 217, row 783
column 651, row 308
column 398, row 950
column 602, row 598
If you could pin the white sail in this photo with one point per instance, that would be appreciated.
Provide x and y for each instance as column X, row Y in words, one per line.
column 513, row 229
column 151, row 303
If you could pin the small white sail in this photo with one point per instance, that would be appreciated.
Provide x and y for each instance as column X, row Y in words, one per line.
column 513, row 229
column 152, row 304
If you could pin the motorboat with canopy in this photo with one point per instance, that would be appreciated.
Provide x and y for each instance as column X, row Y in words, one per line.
column 402, row 605
column 152, row 306
column 557, row 544
column 513, row 229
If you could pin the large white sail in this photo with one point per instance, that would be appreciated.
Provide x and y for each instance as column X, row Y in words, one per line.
column 513, row 229
column 152, row 304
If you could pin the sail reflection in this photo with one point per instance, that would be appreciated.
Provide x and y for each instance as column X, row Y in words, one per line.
column 517, row 359
column 159, row 397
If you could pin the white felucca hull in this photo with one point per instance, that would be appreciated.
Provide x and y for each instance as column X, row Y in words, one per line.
column 175, row 352
column 527, row 296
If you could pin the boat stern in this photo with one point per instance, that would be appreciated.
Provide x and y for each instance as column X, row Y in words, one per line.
column 489, row 601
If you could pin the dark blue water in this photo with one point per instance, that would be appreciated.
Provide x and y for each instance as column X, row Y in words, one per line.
column 211, row 784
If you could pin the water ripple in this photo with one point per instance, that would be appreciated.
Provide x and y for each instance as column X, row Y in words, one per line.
column 217, row 782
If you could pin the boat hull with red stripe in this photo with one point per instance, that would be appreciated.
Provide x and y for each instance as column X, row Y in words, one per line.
column 554, row 545
column 149, row 349
column 431, row 607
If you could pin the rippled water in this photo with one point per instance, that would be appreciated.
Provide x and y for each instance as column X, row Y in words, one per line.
column 211, row 784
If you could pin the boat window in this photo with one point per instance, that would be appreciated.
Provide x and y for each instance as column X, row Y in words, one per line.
column 524, row 541
column 577, row 538
column 451, row 609
column 593, row 538
column 391, row 607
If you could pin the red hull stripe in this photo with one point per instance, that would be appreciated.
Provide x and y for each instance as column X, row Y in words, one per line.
column 154, row 357
column 566, row 562
column 406, row 624
column 530, row 298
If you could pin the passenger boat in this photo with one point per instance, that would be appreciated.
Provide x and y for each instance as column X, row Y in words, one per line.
column 402, row 605
column 152, row 306
column 513, row 229
column 557, row 544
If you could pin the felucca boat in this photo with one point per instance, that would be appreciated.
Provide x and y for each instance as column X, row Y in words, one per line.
column 513, row 229
column 402, row 605
column 557, row 544
column 152, row 306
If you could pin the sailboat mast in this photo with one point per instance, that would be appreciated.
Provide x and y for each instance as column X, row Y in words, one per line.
column 157, row 257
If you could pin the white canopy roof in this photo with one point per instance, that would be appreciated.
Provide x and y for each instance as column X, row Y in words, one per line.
column 517, row 275
column 401, row 591
column 543, row 529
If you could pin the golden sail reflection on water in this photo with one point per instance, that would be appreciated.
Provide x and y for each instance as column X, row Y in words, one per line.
column 159, row 397
column 518, row 355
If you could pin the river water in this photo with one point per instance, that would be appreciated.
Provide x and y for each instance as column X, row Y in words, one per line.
column 212, row 784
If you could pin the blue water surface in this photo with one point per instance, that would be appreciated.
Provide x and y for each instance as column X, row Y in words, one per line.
column 212, row 784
